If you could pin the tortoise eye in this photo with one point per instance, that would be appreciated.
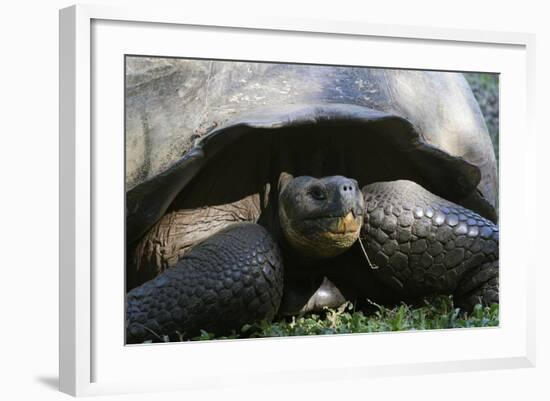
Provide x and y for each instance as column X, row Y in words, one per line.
column 317, row 193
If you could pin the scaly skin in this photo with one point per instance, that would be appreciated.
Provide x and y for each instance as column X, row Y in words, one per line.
column 423, row 244
column 232, row 278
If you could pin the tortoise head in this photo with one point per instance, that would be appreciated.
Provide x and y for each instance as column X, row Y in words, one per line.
column 320, row 217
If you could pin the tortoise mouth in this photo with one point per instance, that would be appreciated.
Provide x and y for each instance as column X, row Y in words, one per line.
column 338, row 225
column 323, row 237
column 348, row 224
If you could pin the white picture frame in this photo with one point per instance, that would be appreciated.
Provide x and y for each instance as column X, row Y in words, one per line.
column 92, row 361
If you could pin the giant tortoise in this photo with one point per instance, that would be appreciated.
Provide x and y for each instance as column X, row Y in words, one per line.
column 257, row 190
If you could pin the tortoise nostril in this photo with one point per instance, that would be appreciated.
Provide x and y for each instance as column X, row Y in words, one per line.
column 347, row 188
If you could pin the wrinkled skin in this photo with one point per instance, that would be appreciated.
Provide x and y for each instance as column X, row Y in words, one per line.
column 420, row 244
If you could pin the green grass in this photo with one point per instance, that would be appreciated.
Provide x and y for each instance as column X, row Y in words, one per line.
column 436, row 313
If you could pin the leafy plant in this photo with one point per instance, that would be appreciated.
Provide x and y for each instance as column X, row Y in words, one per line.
column 435, row 313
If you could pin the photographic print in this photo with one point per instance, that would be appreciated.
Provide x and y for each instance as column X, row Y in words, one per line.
column 273, row 199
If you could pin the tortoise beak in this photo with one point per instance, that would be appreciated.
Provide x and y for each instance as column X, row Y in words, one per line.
column 348, row 224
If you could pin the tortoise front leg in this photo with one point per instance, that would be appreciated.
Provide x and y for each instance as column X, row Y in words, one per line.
column 423, row 244
column 232, row 278
column 479, row 286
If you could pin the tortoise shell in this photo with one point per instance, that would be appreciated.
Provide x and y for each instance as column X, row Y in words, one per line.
column 202, row 132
